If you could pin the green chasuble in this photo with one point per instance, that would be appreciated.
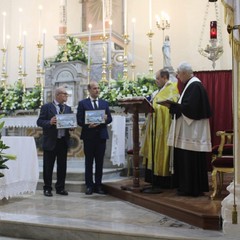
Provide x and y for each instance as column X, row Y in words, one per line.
column 156, row 137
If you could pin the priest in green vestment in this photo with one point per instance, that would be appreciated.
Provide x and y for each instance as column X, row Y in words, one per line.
column 154, row 147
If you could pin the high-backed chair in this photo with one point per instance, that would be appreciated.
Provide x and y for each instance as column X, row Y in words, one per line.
column 222, row 160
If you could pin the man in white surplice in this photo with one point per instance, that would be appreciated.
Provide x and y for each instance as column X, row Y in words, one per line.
column 190, row 135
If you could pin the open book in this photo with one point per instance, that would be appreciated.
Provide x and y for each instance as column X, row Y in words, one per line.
column 167, row 102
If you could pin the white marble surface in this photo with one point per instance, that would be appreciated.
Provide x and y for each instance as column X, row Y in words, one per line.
column 79, row 216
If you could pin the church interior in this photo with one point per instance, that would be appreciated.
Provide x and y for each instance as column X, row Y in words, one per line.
column 121, row 44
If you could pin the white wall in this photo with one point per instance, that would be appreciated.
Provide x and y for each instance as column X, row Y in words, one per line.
column 186, row 23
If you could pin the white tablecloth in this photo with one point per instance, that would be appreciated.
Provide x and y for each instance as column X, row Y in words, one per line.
column 20, row 122
column 23, row 173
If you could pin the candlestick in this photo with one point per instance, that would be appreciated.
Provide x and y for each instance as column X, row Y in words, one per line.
column 125, row 17
column 4, row 28
column 150, row 15
column 20, row 26
column 133, row 38
column 103, row 17
column 39, row 22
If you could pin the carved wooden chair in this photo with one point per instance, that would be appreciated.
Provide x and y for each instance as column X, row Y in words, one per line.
column 222, row 160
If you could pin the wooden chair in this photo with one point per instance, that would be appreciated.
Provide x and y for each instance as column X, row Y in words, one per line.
column 222, row 160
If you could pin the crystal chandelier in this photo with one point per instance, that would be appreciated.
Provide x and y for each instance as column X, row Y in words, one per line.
column 214, row 50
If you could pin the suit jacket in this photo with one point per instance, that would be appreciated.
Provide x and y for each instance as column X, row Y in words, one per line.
column 50, row 132
column 99, row 131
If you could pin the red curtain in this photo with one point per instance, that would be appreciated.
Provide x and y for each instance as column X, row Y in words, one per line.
column 219, row 88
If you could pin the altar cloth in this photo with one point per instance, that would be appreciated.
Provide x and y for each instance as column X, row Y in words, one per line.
column 23, row 173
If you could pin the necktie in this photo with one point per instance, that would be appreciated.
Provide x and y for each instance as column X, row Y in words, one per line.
column 95, row 104
column 60, row 108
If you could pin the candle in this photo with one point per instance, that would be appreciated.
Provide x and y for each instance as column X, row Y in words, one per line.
column 20, row 26
column 110, row 43
column 89, row 44
column 43, row 49
column 213, row 29
column 4, row 28
column 133, row 33
column 125, row 17
column 103, row 17
column 24, row 52
column 150, row 15
column 39, row 23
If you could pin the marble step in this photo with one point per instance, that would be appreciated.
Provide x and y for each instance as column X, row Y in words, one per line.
column 75, row 175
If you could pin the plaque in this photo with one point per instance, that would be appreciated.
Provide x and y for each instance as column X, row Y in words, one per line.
column 68, row 120
column 95, row 116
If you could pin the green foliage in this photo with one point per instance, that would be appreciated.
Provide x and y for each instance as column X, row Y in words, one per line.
column 4, row 157
column 14, row 97
column 144, row 86
column 73, row 50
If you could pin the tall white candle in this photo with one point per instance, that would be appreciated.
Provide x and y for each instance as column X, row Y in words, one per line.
column 150, row 15
column 39, row 22
column 125, row 16
column 4, row 29
column 20, row 26
column 89, row 44
column 110, row 43
column 133, row 39
column 24, row 51
column 103, row 17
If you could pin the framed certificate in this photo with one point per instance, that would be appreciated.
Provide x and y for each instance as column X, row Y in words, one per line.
column 94, row 116
column 68, row 120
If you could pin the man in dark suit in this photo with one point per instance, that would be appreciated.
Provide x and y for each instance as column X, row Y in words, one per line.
column 94, row 137
column 55, row 142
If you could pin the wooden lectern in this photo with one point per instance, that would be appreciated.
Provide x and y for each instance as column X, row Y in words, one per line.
column 135, row 105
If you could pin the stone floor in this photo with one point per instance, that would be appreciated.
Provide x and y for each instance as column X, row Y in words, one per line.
column 79, row 216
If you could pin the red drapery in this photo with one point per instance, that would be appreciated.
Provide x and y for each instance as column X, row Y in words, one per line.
column 219, row 88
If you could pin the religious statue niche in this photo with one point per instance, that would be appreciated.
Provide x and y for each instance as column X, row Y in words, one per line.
column 71, row 75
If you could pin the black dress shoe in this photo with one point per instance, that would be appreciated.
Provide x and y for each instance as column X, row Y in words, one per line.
column 62, row 192
column 89, row 191
column 99, row 190
column 47, row 193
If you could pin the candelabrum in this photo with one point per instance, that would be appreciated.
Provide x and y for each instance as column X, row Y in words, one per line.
column 20, row 67
column 40, row 71
column 4, row 69
column 125, row 56
column 104, row 60
column 150, row 59
column 162, row 24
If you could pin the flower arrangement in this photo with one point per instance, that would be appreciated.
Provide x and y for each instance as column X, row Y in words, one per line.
column 144, row 86
column 73, row 50
column 3, row 156
column 14, row 97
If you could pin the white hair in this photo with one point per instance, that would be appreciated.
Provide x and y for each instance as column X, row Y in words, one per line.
column 185, row 67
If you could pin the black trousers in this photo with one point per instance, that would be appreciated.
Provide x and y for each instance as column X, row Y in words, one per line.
column 49, row 157
column 94, row 150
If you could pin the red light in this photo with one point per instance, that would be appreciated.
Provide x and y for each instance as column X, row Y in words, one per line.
column 213, row 29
